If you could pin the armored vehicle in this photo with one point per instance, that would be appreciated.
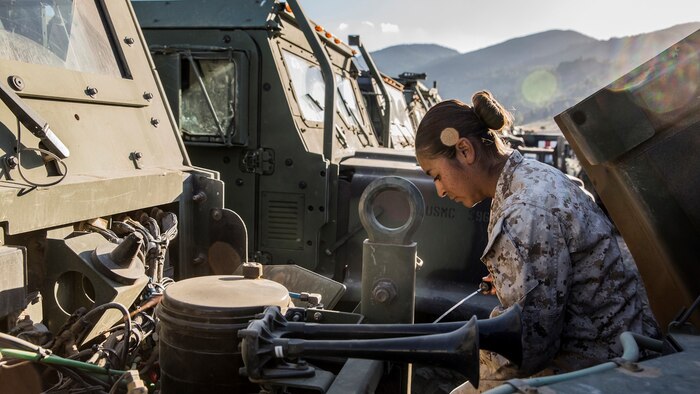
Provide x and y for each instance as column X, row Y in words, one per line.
column 100, row 204
column 104, row 221
column 271, row 100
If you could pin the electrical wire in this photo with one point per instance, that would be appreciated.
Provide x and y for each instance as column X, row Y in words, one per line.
column 52, row 359
column 127, row 324
column 44, row 151
column 115, row 386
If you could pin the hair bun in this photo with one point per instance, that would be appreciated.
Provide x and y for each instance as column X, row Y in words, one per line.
column 490, row 111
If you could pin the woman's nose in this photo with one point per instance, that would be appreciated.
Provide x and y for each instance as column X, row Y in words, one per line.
column 441, row 192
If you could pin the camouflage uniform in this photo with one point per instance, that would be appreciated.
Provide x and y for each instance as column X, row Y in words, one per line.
column 552, row 250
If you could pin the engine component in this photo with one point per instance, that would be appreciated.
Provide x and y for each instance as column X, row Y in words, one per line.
column 12, row 279
column 269, row 342
column 74, row 280
column 199, row 321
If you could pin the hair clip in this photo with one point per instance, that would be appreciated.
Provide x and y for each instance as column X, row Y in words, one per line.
column 487, row 141
column 449, row 136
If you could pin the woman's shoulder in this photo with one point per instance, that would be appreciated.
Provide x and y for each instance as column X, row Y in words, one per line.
column 542, row 186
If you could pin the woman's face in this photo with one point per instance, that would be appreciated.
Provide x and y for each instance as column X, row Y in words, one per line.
column 456, row 178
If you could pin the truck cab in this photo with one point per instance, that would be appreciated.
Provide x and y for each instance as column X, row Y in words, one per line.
column 249, row 83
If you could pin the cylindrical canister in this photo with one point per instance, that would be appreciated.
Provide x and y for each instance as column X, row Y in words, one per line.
column 198, row 336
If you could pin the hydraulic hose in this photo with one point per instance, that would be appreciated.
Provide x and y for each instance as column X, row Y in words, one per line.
column 630, row 347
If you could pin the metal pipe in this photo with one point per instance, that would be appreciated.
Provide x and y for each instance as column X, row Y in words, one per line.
column 374, row 72
column 328, row 76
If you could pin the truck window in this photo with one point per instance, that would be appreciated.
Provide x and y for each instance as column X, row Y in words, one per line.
column 219, row 79
column 309, row 88
column 308, row 85
column 347, row 102
column 402, row 132
column 68, row 34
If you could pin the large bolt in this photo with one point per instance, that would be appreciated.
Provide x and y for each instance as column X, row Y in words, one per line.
column 16, row 82
column 90, row 91
column 199, row 197
column 384, row 292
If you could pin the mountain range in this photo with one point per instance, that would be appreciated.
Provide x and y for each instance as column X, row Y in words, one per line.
column 537, row 76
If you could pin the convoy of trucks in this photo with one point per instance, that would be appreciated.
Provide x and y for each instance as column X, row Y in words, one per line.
column 202, row 196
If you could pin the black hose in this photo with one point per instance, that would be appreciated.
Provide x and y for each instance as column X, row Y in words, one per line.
column 127, row 324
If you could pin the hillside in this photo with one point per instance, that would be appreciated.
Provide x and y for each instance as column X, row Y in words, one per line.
column 537, row 75
column 412, row 57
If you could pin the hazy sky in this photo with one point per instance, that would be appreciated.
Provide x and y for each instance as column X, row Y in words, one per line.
column 467, row 25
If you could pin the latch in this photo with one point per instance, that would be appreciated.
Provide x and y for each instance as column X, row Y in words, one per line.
column 259, row 161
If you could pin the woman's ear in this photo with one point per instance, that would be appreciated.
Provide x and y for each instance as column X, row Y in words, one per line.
column 465, row 151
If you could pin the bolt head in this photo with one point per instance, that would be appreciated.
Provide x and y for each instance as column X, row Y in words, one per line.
column 318, row 316
column 129, row 41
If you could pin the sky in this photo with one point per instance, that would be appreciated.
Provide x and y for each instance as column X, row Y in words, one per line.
column 467, row 25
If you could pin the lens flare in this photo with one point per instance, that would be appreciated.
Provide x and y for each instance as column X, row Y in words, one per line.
column 677, row 70
column 539, row 87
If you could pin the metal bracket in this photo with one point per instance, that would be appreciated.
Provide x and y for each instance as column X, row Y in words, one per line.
column 259, row 161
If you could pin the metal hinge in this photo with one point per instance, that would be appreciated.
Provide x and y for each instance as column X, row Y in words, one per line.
column 259, row 161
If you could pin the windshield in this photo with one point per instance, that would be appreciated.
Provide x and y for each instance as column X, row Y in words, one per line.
column 347, row 103
column 68, row 34
column 307, row 82
column 216, row 86
column 308, row 85
column 402, row 132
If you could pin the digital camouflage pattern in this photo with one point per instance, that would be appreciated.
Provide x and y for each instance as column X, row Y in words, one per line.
column 553, row 251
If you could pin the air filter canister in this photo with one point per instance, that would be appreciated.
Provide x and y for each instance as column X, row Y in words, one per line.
column 199, row 322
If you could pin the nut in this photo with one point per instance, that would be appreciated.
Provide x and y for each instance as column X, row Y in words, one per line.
column 384, row 292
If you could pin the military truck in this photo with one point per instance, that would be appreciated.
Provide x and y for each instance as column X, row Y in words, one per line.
column 397, row 105
column 104, row 219
column 102, row 212
column 270, row 100
column 100, row 204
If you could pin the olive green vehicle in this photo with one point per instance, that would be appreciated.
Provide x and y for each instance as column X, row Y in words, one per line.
column 109, row 235
column 99, row 204
column 271, row 101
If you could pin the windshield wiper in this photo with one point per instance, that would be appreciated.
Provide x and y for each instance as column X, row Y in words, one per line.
column 357, row 121
column 33, row 122
column 313, row 100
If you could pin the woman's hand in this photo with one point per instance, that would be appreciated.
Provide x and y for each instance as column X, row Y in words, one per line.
column 487, row 286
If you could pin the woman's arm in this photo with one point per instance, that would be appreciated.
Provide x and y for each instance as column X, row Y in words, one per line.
column 530, row 264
